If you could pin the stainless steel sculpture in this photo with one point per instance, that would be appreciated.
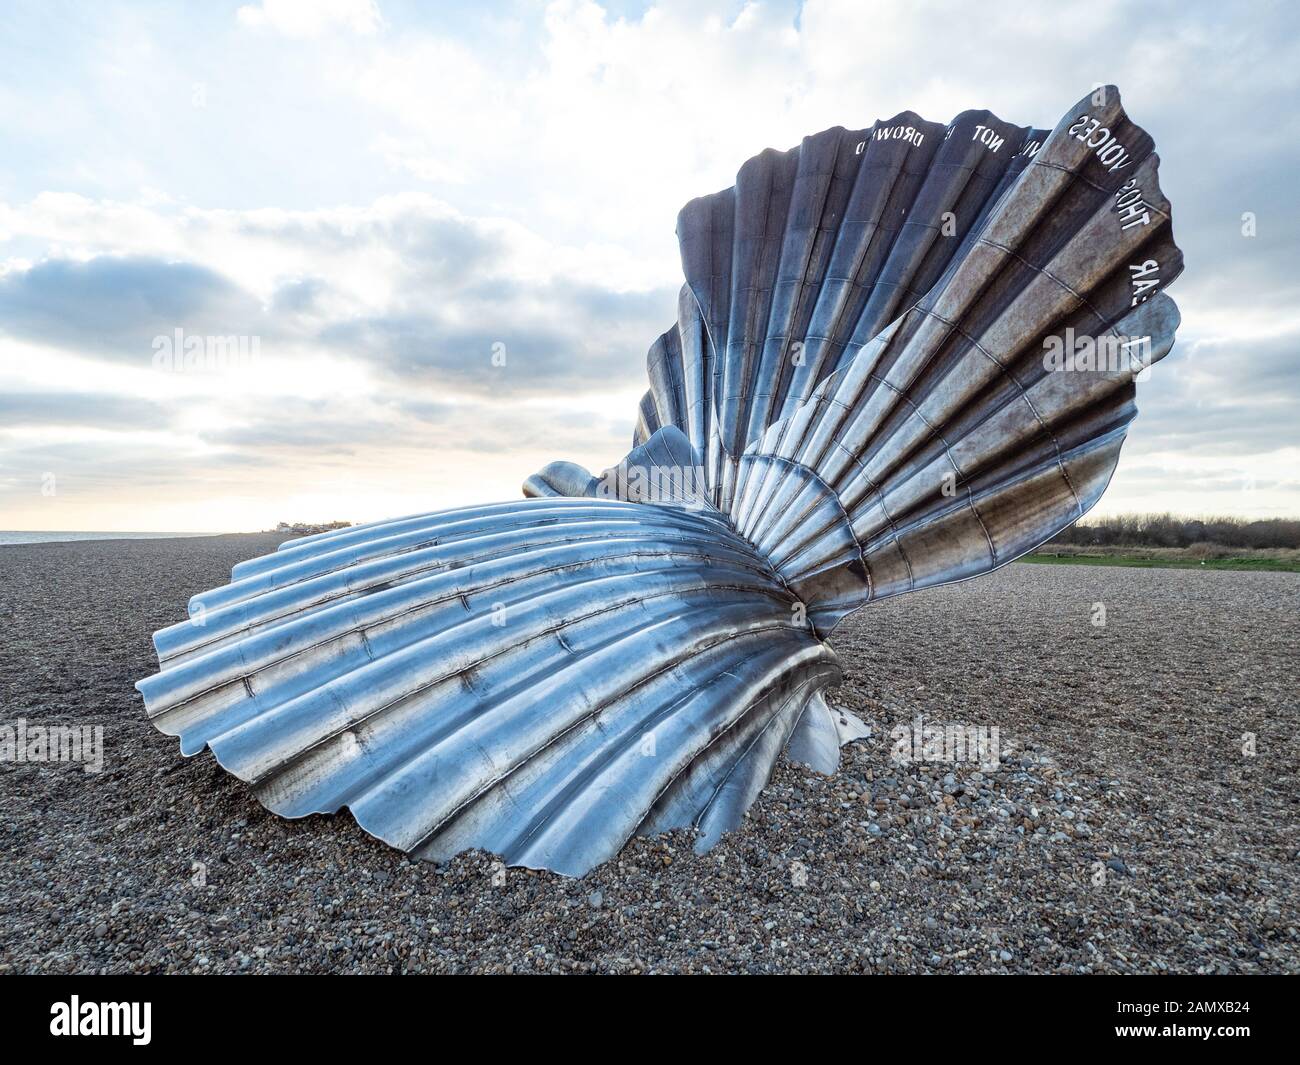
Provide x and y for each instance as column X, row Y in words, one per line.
column 904, row 356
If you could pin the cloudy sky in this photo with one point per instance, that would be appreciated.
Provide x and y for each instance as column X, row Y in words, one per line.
column 386, row 194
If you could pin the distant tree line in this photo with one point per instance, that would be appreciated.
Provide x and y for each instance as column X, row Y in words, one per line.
column 1169, row 530
column 302, row 528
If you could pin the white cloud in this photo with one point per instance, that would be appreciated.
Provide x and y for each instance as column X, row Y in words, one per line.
column 375, row 325
column 453, row 177
column 311, row 18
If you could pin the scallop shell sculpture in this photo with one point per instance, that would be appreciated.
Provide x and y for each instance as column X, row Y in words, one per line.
column 904, row 356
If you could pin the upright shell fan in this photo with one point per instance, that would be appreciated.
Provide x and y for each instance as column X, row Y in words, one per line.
column 904, row 356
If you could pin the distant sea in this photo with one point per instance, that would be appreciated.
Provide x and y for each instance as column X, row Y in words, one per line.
column 61, row 537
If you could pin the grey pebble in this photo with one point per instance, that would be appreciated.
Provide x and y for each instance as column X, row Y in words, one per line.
column 975, row 873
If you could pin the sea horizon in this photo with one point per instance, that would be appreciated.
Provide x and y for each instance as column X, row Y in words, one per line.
column 11, row 537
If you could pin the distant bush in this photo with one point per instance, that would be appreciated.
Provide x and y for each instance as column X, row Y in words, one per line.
column 1169, row 530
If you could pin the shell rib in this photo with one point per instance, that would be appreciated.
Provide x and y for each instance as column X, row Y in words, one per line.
column 875, row 384
column 820, row 247
column 534, row 688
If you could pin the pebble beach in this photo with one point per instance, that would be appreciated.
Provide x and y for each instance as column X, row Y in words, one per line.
column 1140, row 812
